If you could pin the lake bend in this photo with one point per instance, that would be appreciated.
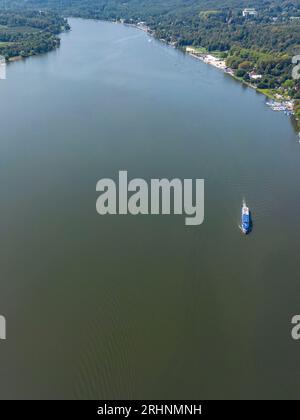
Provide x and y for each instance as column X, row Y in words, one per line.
column 144, row 307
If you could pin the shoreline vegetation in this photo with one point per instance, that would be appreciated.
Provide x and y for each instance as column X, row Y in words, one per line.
column 277, row 102
column 27, row 33
column 254, row 42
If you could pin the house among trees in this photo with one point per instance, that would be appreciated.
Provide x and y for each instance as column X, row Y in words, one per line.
column 255, row 76
column 249, row 12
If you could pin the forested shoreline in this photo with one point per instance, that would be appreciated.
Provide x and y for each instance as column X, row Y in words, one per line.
column 262, row 44
column 24, row 33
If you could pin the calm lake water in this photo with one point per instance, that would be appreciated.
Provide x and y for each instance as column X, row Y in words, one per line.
column 144, row 307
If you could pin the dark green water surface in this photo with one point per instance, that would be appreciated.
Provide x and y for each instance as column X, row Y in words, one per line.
column 144, row 307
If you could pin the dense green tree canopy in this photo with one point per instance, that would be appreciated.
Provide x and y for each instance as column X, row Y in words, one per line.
column 25, row 33
column 264, row 43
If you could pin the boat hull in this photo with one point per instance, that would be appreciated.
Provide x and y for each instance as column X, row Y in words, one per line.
column 246, row 220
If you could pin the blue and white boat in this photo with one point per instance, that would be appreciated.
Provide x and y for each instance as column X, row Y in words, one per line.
column 246, row 219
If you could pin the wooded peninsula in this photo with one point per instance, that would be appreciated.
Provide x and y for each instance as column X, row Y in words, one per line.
column 24, row 33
